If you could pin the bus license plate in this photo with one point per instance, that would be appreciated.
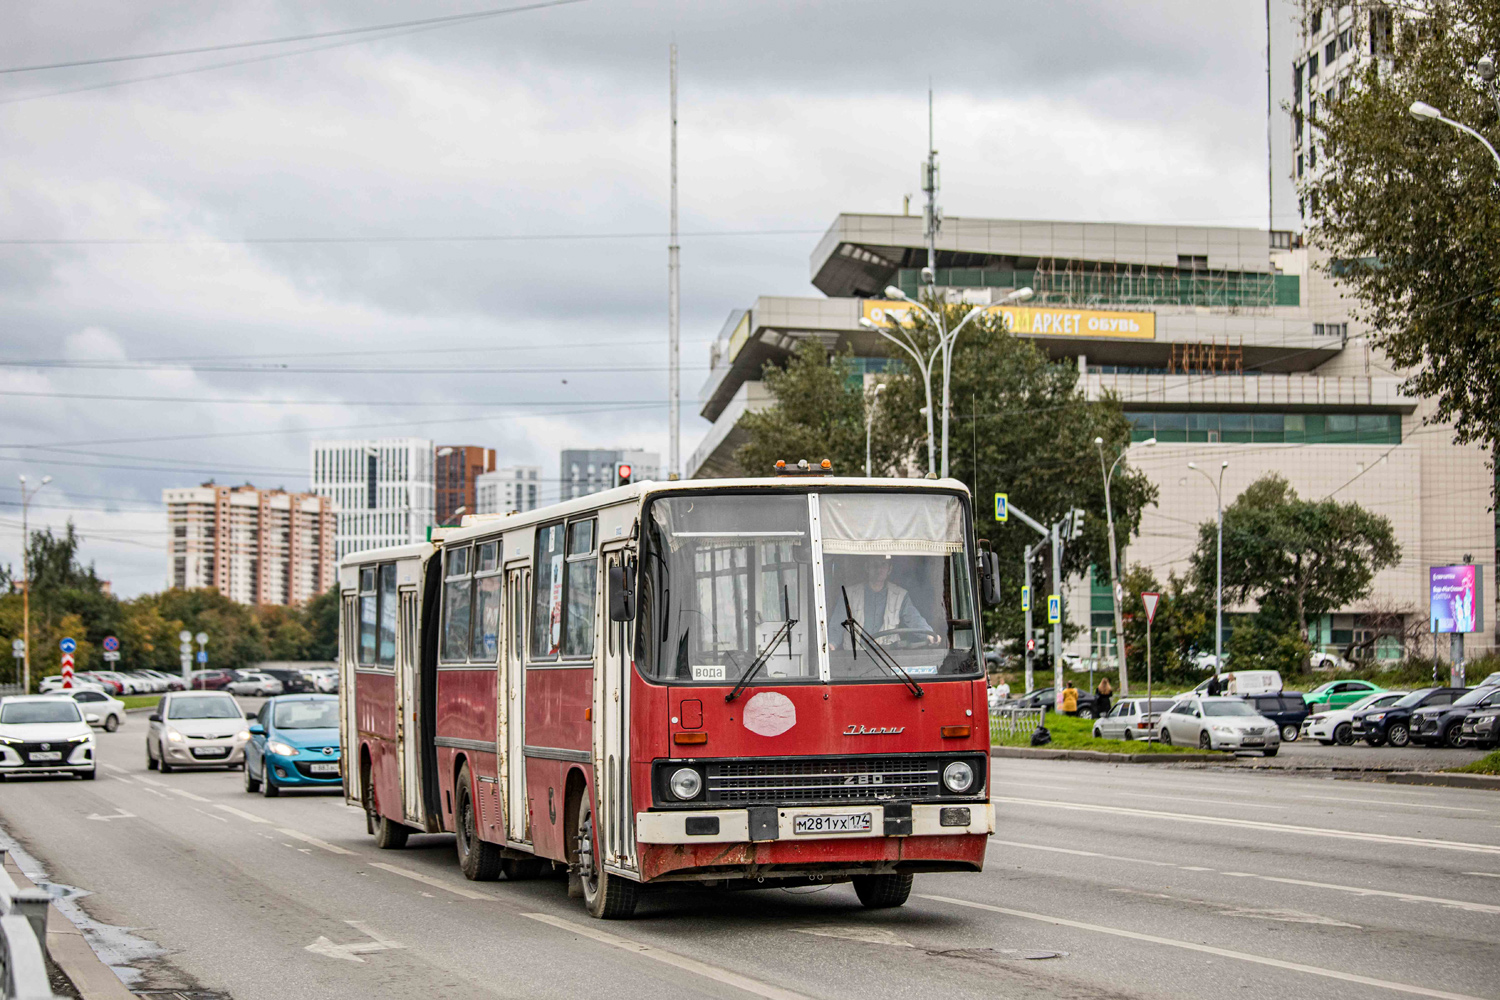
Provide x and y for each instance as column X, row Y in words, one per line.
column 847, row 823
column 46, row 755
column 323, row 768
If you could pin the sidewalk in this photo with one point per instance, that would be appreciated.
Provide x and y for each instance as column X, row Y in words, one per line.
column 70, row 952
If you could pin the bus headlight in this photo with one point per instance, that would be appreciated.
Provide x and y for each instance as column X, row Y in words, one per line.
column 958, row 777
column 685, row 783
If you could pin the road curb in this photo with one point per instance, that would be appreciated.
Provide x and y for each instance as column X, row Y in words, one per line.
column 71, row 952
column 1040, row 753
column 1489, row 781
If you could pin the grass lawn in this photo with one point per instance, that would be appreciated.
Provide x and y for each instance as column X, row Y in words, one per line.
column 1484, row 765
column 140, row 700
column 1069, row 733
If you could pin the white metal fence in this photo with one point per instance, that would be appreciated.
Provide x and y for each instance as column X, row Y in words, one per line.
column 23, row 941
column 1012, row 722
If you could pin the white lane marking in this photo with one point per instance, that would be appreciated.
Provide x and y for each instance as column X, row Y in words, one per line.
column 1279, row 915
column 1485, row 874
column 457, row 890
column 1250, row 824
column 1275, row 963
column 297, row 835
column 119, row 814
column 150, row 781
column 682, row 962
column 1356, row 889
column 216, row 819
column 188, row 795
column 1392, row 802
column 351, row 952
column 1248, row 804
column 115, row 768
column 248, row 817
column 847, row 932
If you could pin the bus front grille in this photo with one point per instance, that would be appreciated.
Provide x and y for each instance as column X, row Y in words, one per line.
column 821, row 779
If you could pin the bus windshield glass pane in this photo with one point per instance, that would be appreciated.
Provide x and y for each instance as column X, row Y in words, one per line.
column 722, row 573
column 896, row 574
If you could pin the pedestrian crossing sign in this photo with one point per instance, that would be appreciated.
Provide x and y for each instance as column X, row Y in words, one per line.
column 1025, row 598
column 1054, row 609
column 1002, row 506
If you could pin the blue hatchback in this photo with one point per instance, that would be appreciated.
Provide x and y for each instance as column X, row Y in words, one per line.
column 294, row 743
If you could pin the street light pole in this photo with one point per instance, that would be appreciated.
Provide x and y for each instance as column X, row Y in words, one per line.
column 1420, row 109
column 1219, row 587
column 1114, row 569
column 924, row 366
column 869, row 423
column 26, row 572
column 946, row 340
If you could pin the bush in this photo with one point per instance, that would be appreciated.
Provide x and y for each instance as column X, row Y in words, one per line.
column 1255, row 647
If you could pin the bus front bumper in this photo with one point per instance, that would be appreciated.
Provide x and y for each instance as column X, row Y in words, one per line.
column 807, row 823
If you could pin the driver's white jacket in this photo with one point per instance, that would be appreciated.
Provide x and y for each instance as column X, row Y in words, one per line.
column 895, row 602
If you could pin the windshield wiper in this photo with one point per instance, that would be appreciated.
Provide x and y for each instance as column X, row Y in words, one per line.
column 765, row 654
column 877, row 652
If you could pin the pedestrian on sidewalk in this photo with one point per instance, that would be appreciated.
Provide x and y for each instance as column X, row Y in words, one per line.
column 1070, row 699
column 1102, row 695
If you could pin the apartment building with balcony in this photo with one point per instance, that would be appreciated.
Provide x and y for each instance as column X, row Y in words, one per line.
column 1223, row 344
column 253, row 546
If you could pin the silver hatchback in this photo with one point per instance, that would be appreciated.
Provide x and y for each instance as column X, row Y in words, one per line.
column 196, row 729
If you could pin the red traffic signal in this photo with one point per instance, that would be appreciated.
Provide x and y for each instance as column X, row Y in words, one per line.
column 622, row 473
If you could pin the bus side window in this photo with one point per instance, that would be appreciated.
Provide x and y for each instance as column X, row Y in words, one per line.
column 386, row 653
column 457, row 597
column 582, row 588
column 546, row 590
column 367, row 615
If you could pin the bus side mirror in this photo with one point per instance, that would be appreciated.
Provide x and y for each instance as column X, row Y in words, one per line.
column 621, row 594
column 989, row 577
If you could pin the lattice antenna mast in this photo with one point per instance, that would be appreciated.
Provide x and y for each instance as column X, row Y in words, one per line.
column 674, row 294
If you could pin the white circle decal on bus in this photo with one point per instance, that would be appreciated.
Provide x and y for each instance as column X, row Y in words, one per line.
column 770, row 713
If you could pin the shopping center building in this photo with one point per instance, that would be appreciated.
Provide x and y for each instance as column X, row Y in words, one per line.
column 1221, row 343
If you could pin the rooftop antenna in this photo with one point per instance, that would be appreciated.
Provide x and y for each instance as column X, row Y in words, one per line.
column 674, row 291
column 932, row 216
column 1270, row 155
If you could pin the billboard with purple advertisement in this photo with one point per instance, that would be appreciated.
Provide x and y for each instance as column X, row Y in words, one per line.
column 1457, row 594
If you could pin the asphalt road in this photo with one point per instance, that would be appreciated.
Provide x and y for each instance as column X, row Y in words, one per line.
column 1103, row 881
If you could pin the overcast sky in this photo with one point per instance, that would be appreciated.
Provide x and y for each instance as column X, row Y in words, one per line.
column 545, row 123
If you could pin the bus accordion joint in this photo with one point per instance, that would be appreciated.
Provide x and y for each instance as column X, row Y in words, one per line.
column 686, row 739
column 955, row 732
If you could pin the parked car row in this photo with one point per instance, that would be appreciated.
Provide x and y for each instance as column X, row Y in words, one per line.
column 117, row 682
column 268, row 680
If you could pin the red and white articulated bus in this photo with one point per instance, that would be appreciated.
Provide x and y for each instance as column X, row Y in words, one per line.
column 747, row 682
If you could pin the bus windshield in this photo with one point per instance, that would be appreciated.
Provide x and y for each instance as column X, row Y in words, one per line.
column 731, row 581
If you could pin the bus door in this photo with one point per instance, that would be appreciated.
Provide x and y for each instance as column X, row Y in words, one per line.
column 408, row 688
column 512, row 711
column 615, row 817
column 348, row 693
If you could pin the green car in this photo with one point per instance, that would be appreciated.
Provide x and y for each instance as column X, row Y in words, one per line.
column 1338, row 694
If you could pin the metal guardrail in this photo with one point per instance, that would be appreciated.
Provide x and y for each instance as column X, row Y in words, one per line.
column 23, row 941
column 1015, row 721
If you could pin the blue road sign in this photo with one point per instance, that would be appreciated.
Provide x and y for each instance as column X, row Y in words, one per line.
column 1054, row 609
column 202, row 656
column 111, row 644
column 1002, row 506
column 67, row 645
column 1025, row 598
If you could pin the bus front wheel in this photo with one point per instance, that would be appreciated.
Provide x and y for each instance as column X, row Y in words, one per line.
column 479, row 859
column 878, row 892
column 389, row 836
column 608, row 897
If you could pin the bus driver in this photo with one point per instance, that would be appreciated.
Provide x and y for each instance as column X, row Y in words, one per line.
column 880, row 606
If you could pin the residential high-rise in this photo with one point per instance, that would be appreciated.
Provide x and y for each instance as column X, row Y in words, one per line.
column 586, row 471
column 515, row 487
column 456, row 468
column 253, row 546
column 381, row 488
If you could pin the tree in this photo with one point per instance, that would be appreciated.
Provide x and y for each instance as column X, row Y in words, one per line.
column 1295, row 558
column 322, row 617
column 819, row 413
column 1406, row 211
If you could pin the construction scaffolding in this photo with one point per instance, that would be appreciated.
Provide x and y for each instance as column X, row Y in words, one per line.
column 1207, row 359
column 1076, row 283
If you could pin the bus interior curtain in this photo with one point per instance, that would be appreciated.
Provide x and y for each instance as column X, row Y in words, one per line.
column 891, row 524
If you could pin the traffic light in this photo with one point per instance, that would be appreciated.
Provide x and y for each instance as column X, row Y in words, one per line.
column 622, row 473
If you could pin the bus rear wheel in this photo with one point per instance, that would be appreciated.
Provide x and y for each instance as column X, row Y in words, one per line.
column 479, row 859
column 608, row 897
column 879, row 892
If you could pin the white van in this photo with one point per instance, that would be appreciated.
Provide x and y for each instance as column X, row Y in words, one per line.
column 1243, row 682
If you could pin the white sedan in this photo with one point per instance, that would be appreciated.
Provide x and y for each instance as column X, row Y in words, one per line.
column 1219, row 723
column 99, row 709
column 257, row 684
column 1337, row 726
column 44, row 732
column 1132, row 719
